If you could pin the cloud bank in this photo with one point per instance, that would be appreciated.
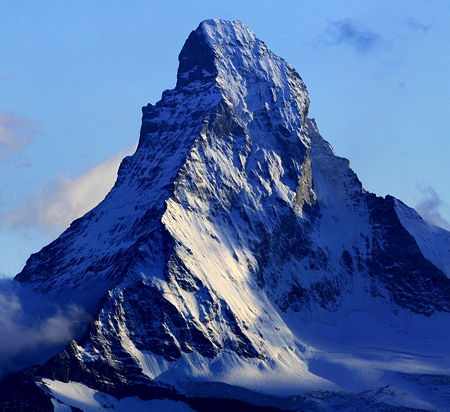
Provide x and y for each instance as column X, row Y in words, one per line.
column 348, row 32
column 15, row 133
column 33, row 327
column 430, row 208
column 64, row 199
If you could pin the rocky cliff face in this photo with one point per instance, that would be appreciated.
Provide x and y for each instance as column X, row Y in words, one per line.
column 230, row 236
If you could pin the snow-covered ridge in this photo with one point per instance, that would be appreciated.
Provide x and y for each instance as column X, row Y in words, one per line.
column 433, row 241
column 250, row 76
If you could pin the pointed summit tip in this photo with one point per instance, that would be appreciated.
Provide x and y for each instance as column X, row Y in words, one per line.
column 227, row 55
column 219, row 29
column 197, row 57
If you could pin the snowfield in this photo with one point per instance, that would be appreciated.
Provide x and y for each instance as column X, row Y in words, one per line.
column 80, row 396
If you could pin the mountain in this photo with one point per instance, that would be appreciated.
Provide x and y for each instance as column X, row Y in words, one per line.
column 239, row 263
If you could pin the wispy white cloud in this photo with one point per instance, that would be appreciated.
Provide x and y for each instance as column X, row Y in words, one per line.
column 349, row 32
column 417, row 26
column 15, row 133
column 33, row 326
column 64, row 199
column 430, row 208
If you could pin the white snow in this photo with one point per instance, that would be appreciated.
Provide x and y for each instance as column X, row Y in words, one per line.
column 89, row 400
column 433, row 241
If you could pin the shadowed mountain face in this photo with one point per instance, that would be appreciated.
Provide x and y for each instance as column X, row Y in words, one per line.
column 237, row 248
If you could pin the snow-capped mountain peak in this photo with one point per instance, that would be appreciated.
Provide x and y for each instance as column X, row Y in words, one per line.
column 235, row 243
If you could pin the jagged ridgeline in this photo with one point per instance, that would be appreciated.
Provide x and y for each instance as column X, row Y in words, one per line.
column 236, row 253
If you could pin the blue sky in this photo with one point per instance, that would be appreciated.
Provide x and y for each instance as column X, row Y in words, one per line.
column 74, row 76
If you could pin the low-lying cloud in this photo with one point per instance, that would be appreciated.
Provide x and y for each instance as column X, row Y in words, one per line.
column 33, row 326
column 15, row 133
column 430, row 208
column 350, row 33
column 64, row 199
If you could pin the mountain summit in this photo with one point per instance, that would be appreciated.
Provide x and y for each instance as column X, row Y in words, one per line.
column 238, row 261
